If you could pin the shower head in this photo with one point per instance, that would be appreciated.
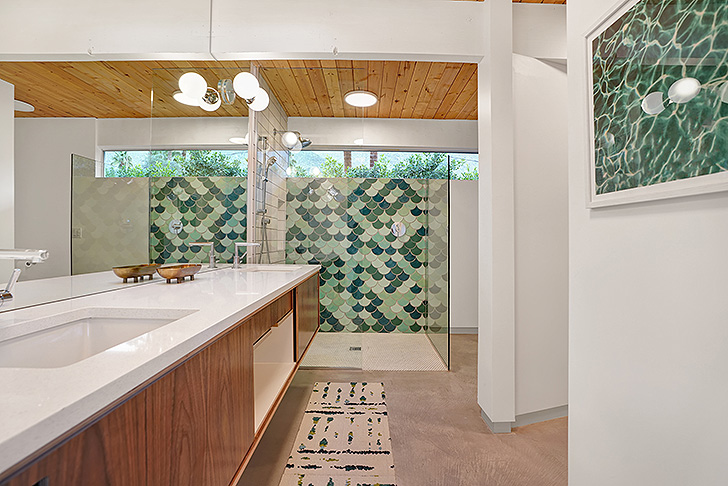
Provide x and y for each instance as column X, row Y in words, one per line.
column 270, row 162
column 305, row 142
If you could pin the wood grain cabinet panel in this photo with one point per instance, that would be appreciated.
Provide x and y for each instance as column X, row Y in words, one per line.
column 193, row 426
column 307, row 313
column 110, row 452
column 200, row 416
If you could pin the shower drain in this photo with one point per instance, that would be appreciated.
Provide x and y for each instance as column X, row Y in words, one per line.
column 354, row 348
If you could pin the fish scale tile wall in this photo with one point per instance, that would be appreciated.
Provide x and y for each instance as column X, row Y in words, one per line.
column 210, row 209
column 371, row 281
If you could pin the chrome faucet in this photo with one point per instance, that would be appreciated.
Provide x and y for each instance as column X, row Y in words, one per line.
column 236, row 257
column 30, row 257
column 7, row 294
column 212, row 251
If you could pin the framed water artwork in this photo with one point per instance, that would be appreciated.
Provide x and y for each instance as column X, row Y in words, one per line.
column 658, row 108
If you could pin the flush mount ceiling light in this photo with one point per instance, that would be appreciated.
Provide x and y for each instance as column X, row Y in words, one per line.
column 684, row 90
column 23, row 106
column 360, row 99
column 180, row 97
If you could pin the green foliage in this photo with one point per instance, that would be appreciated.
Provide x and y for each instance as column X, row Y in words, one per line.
column 296, row 170
column 379, row 170
column 422, row 166
column 207, row 163
column 429, row 165
column 332, row 168
column 169, row 163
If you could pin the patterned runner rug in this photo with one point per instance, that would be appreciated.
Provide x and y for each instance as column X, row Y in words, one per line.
column 343, row 439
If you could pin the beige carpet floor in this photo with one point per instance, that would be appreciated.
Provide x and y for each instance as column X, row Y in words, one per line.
column 438, row 436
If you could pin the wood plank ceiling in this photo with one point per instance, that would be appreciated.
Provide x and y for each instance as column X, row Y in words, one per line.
column 123, row 89
column 545, row 2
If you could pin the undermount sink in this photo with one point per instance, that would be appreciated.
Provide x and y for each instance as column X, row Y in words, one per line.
column 271, row 268
column 64, row 339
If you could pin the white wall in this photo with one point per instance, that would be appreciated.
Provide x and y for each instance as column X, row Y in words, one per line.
column 464, row 256
column 542, row 253
column 539, row 30
column 385, row 134
column 382, row 134
column 496, row 319
column 285, row 29
column 161, row 133
column 7, row 178
column 648, row 314
column 43, row 148
column 179, row 29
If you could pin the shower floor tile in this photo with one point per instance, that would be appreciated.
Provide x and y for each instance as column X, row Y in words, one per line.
column 379, row 352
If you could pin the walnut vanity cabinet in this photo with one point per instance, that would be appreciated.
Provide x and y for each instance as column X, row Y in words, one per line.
column 194, row 423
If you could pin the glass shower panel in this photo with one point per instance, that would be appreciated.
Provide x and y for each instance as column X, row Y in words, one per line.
column 320, row 229
column 438, row 267
column 109, row 219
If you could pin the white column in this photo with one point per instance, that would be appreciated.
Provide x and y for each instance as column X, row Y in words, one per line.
column 7, row 175
column 496, row 319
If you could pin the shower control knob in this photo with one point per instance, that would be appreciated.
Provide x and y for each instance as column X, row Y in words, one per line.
column 398, row 229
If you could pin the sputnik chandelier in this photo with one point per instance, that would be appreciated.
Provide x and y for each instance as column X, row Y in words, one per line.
column 194, row 91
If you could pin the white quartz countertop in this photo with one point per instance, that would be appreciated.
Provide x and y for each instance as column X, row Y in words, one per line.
column 37, row 405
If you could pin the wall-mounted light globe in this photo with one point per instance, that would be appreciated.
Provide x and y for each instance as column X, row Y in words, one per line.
column 684, row 90
column 653, row 104
column 360, row 99
column 211, row 101
column 245, row 85
column 289, row 139
column 193, row 85
column 180, row 97
column 297, row 147
column 261, row 100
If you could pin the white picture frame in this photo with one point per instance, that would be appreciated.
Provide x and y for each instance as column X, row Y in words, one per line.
column 705, row 184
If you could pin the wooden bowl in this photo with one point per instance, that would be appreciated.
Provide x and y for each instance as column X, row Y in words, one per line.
column 179, row 272
column 136, row 272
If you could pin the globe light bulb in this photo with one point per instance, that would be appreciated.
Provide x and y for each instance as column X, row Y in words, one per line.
column 180, row 97
column 193, row 85
column 261, row 100
column 245, row 85
column 289, row 139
